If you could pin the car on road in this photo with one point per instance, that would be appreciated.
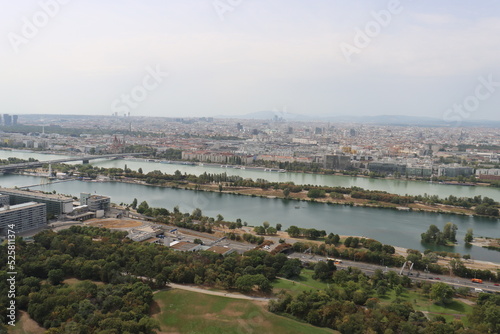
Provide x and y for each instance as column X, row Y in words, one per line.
column 437, row 278
column 496, row 284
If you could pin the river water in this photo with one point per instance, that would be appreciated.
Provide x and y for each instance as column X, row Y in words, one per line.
column 388, row 226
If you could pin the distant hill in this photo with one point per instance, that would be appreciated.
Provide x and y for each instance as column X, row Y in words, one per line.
column 379, row 119
column 268, row 115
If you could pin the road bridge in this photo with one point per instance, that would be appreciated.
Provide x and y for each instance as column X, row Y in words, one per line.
column 84, row 159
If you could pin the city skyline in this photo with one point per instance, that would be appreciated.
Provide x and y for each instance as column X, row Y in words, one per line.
column 211, row 58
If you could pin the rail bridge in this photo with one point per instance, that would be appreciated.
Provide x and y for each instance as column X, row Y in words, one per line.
column 84, row 159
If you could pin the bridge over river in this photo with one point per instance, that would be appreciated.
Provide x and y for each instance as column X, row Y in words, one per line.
column 84, row 159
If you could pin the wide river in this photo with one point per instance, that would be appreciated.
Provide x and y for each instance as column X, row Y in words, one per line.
column 392, row 227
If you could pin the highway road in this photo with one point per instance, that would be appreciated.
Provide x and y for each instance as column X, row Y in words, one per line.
column 369, row 269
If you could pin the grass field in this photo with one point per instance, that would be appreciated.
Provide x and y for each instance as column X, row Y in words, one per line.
column 454, row 310
column 304, row 282
column 180, row 311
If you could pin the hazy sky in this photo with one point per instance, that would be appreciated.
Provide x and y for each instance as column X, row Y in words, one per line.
column 316, row 57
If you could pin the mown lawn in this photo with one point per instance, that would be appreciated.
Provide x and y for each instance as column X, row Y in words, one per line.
column 296, row 285
column 182, row 311
column 454, row 310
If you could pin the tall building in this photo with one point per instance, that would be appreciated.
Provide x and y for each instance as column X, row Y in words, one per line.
column 56, row 204
column 14, row 119
column 7, row 119
column 22, row 217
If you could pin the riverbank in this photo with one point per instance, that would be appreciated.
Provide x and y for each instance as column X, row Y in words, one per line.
column 489, row 243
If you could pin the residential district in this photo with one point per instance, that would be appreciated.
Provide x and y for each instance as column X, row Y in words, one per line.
column 461, row 153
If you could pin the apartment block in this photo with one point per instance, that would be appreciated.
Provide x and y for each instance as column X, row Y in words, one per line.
column 56, row 204
column 22, row 217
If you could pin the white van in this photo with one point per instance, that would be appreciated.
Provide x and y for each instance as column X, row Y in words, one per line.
column 478, row 290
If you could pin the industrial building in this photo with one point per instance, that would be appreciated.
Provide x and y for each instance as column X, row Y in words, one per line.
column 22, row 217
column 56, row 204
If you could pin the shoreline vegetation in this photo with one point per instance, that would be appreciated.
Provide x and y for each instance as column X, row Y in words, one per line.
column 236, row 185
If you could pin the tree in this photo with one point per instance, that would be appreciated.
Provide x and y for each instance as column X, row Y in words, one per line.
column 316, row 193
column 434, row 235
column 450, row 232
column 469, row 236
column 134, row 204
column 56, row 276
column 324, row 270
column 271, row 231
column 278, row 227
column 266, row 225
column 291, row 268
column 220, row 217
column 286, row 192
column 139, row 171
column 442, row 293
column 245, row 283
column 259, row 230
column 197, row 213
column 293, row 231
column 143, row 207
column 347, row 242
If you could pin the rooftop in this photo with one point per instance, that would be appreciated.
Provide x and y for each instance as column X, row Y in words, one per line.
column 20, row 206
column 219, row 249
column 183, row 246
column 57, row 197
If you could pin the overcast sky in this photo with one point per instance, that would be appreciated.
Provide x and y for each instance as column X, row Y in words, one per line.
column 231, row 57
